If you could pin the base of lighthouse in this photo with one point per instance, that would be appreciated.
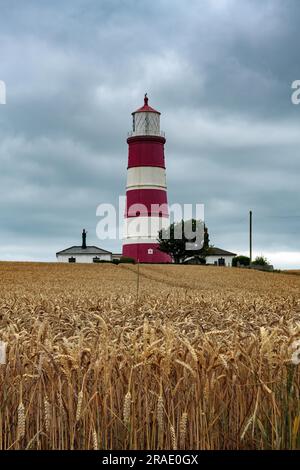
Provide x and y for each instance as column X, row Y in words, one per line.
column 146, row 253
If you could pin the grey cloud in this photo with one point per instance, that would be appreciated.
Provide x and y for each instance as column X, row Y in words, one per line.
column 220, row 72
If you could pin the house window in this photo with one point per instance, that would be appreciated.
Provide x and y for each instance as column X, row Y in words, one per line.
column 72, row 260
column 221, row 262
column 150, row 251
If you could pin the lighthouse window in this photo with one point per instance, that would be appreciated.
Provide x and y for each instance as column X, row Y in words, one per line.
column 150, row 251
column 147, row 122
column 133, row 123
column 154, row 123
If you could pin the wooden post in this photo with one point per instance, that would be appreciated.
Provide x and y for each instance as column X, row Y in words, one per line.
column 138, row 281
column 250, row 236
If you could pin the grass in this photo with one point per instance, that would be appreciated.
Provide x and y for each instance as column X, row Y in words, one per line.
column 200, row 359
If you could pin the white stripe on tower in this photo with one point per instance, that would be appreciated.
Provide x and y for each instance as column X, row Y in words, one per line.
column 144, row 177
column 144, row 227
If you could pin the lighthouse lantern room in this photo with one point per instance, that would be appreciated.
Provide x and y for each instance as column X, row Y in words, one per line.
column 146, row 190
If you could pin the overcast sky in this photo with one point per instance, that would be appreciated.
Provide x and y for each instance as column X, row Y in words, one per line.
column 220, row 72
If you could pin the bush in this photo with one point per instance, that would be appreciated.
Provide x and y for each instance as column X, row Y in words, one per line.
column 98, row 260
column 124, row 260
column 260, row 261
column 241, row 261
column 196, row 260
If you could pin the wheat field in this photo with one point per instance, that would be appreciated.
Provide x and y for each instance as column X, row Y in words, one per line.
column 148, row 357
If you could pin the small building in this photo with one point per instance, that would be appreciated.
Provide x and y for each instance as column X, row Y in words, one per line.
column 216, row 257
column 219, row 257
column 83, row 253
column 116, row 256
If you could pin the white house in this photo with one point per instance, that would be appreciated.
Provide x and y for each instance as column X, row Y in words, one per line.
column 219, row 257
column 216, row 257
column 83, row 253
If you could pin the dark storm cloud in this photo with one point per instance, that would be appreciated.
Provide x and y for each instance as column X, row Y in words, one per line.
column 220, row 71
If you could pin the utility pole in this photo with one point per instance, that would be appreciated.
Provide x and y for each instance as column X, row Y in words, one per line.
column 250, row 237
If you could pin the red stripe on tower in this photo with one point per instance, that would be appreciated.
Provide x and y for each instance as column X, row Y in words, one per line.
column 146, row 190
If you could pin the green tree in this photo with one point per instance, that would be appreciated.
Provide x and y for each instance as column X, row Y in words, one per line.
column 260, row 261
column 180, row 242
column 241, row 261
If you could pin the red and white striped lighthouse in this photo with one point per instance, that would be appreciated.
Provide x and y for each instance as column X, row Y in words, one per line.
column 146, row 190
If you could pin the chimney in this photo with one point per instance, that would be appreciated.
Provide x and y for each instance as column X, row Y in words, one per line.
column 83, row 246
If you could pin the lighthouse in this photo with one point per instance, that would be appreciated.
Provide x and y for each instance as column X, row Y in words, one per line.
column 146, row 192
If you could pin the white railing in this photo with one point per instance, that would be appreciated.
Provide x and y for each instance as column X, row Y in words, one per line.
column 138, row 133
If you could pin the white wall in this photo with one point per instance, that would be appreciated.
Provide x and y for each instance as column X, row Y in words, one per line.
column 144, row 227
column 212, row 259
column 83, row 258
column 146, row 177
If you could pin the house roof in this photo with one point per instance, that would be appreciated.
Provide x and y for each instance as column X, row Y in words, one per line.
column 214, row 251
column 78, row 250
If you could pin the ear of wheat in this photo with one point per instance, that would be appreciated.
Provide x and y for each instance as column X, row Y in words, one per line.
column 79, row 405
column 173, row 437
column 47, row 413
column 126, row 408
column 160, row 413
column 95, row 440
column 21, row 421
column 183, row 425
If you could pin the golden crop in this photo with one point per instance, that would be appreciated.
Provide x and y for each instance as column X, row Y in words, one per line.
column 187, row 358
